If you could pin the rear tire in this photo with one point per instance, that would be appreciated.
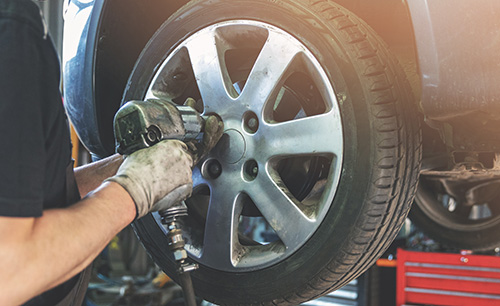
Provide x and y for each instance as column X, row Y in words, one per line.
column 465, row 227
column 377, row 167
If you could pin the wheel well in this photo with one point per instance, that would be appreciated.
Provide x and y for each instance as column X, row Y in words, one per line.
column 124, row 29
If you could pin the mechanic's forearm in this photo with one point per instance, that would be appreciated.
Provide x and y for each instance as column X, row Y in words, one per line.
column 61, row 243
column 89, row 177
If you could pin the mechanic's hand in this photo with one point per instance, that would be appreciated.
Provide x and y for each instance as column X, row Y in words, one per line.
column 161, row 172
column 213, row 130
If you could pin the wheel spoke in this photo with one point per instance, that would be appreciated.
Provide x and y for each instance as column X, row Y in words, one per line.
column 305, row 136
column 210, row 71
column 279, row 209
column 269, row 72
column 221, row 228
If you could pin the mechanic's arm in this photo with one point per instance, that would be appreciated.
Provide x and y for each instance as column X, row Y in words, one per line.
column 39, row 253
column 90, row 176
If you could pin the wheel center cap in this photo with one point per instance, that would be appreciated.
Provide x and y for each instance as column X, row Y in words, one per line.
column 231, row 147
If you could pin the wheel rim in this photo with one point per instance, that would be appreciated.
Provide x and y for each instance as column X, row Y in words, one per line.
column 453, row 213
column 279, row 162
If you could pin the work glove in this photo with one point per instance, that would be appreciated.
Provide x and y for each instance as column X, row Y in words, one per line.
column 213, row 130
column 157, row 177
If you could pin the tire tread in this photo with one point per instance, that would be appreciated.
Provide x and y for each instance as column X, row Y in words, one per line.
column 404, row 167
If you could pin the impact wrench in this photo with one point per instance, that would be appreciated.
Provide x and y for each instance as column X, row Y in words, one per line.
column 141, row 124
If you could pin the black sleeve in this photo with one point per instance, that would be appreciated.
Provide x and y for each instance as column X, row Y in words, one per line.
column 22, row 141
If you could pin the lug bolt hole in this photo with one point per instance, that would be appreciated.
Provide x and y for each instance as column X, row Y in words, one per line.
column 251, row 170
column 212, row 169
column 250, row 122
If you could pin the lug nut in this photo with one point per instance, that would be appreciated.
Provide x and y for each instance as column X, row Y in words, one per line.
column 251, row 169
column 250, row 122
column 253, row 123
column 213, row 169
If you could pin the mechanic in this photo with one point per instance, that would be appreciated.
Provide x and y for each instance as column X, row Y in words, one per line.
column 45, row 242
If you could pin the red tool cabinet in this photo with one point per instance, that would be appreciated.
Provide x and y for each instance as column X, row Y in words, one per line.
column 447, row 279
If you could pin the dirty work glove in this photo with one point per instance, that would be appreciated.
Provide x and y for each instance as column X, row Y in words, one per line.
column 161, row 172
column 213, row 130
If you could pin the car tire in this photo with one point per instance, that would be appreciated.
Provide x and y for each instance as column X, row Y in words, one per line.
column 456, row 228
column 371, row 179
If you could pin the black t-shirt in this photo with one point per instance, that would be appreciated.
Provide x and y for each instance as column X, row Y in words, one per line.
column 34, row 137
